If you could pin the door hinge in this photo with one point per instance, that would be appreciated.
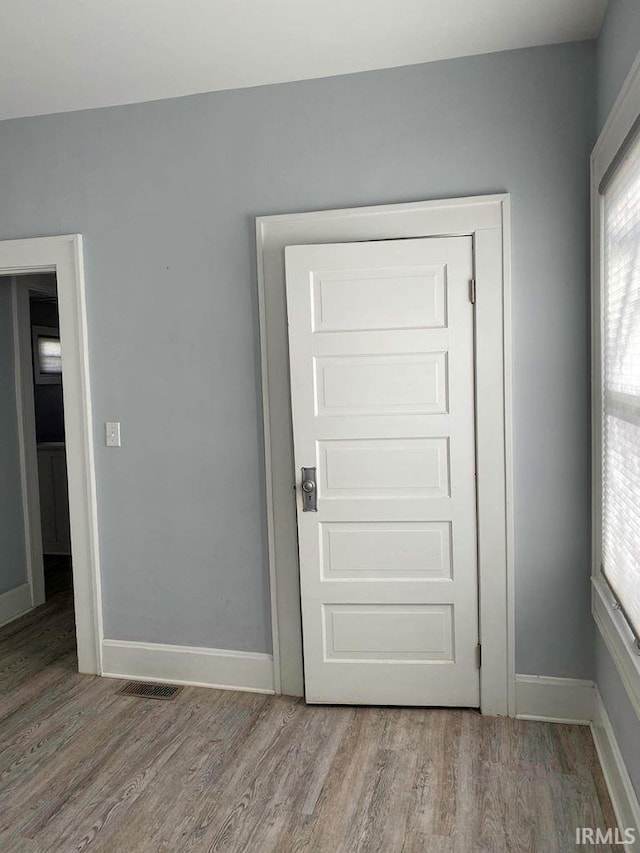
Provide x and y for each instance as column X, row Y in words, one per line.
column 478, row 655
column 472, row 291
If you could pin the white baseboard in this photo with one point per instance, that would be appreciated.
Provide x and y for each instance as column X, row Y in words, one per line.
column 225, row 670
column 15, row 603
column 557, row 700
column 623, row 796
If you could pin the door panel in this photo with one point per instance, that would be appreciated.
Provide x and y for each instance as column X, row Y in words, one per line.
column 385, row 551
column 392, row 467
column 369, row 299
column 380, row 385
column 388, row 632
column 381, row 364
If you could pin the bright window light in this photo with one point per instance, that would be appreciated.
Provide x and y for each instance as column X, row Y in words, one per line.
column 621, row 386
column 49, row 355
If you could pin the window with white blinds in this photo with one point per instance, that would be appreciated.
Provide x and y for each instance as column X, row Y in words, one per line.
column 621, row 385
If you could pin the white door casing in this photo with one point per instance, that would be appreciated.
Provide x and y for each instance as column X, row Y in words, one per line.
column 382, row 388
column 487, row 220
column 63, row 255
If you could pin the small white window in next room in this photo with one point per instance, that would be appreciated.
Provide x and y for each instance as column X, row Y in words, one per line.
column 620, row 378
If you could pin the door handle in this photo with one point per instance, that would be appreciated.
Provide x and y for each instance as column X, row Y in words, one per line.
column 309, row 490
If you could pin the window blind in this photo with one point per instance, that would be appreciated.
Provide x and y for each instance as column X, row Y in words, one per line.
column 50, row 355
column 621, row 385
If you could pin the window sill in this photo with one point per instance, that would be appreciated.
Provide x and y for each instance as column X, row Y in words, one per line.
column 618, row 639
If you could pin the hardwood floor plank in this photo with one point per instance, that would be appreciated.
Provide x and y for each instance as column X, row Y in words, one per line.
column 84, row 769
column 300, row 774
column 10, row 843
column 127, row 772
column 347, row 790
column 434, row 801
column 68, row 774
column 50, row 731
column 166, row 814
column 245, row 791
column 336, row 723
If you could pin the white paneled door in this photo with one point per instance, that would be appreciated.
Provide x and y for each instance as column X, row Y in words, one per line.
column 382, row 388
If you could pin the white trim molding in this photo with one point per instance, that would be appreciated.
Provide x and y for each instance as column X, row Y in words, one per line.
column 618, row 639
column 621, row 119
column 611, row 623
column 555, row 700
column 621, row 790
column 167, row 664
column 63, row 256
column 571, row 700
column 487, row 220
column 14, row 603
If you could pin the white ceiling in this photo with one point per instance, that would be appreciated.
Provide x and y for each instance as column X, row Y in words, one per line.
column 60, row 55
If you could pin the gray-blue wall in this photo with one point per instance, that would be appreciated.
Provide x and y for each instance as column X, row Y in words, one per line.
column 13, row 571
column 166, row 194
column 618, row 47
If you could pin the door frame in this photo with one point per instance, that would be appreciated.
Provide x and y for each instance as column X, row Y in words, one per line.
column 62, row 255
column 487, row 220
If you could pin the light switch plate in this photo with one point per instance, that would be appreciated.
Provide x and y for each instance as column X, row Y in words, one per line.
column 112, row 430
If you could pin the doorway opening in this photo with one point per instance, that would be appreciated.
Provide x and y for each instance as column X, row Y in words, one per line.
column 36, row 577
column 48, row 486
column 46, row 369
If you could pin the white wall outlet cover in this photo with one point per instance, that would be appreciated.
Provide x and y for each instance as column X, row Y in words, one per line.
column 112, row 430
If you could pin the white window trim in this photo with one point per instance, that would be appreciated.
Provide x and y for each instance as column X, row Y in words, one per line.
column 487, row 220
column 612, row 624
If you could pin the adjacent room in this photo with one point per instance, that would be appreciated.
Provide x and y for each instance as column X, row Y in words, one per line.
column 320, row 426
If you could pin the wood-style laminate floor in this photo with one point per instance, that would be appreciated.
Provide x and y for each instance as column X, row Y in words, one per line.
column 84, row 769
